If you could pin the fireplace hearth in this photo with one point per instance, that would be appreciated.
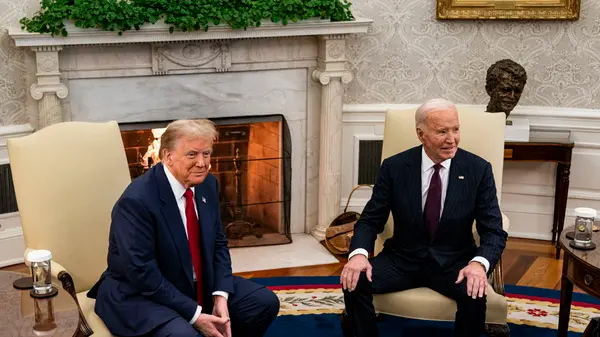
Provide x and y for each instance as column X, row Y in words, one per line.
column 252, row 162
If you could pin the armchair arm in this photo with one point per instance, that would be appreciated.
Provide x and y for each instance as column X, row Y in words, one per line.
column 505, row 222
column 497, row 277
column 60, row 274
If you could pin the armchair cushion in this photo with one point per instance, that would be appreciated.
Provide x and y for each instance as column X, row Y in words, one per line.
column 424, row 303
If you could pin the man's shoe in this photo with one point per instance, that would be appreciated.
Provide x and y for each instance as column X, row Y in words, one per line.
column 347, row 330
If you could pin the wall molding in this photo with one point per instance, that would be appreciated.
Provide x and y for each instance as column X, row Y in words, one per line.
column 10, row 131
column 11, row 234
column 548, row 191
column 540, row 118
column 517, row 189
column 357, row 204
column 534, row 236
column 520, row 110
column 8, row 221
column 12, row 246
column 588, row 145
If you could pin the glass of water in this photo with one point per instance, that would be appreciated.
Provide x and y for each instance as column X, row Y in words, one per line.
column 584, row 220
column 40, row 270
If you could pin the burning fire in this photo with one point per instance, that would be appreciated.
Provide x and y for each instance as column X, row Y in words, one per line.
column 151, row 158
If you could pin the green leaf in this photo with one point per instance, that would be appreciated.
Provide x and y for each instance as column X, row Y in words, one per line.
column 122, row 15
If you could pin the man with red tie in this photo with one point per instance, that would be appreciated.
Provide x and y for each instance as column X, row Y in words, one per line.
column 434, row 191
column 169, row 268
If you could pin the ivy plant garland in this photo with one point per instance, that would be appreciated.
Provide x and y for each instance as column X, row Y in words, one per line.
column 184, row 15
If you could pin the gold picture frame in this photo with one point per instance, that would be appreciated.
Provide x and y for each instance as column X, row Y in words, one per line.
column 508, row 9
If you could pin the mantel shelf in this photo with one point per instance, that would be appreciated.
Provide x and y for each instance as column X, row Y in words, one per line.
column 159, row 32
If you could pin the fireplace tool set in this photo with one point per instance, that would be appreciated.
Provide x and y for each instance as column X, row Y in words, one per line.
column 239, row 228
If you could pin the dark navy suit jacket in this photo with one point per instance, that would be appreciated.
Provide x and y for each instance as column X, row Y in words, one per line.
column 149, row 276
column 471, row 195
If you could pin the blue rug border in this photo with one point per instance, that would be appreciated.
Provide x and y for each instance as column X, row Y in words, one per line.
column 509, row 288
column 331, row 322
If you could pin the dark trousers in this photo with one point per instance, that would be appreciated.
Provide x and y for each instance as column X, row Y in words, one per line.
column 392, row 273
column 252, row 309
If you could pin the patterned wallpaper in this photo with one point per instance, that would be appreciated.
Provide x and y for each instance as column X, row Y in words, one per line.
column 406, row 58
column 409, row 57
column 17, row 70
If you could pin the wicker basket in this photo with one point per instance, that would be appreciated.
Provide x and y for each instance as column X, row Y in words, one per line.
column 339, row 233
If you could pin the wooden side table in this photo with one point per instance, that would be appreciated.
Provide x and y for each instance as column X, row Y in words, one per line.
column 554, row 151
column 23, row 316
column 582, row 268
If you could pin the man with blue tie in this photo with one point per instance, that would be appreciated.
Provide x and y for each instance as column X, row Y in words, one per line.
column 169, row 269
column 435, row 191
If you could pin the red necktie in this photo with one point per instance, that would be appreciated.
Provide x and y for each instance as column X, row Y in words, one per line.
column 433, row 204
column 194, row 239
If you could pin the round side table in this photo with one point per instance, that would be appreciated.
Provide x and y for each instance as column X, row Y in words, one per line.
column 582, row 268
column 24, row 316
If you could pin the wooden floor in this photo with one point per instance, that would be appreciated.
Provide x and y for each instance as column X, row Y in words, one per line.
column 525, row 262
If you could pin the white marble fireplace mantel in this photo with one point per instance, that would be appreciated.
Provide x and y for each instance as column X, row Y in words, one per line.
column 159, row 32
column 297, row 70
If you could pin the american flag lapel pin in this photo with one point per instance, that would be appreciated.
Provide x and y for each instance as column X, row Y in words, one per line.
column 461, row 177
column 204, row 200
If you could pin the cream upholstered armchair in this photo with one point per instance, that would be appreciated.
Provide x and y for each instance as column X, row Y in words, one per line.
column 483, row 134
column 67, row 178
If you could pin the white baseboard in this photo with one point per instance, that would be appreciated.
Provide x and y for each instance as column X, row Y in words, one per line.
column 535, row 236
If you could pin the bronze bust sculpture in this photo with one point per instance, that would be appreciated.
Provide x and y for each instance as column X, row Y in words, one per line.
column 505, row 81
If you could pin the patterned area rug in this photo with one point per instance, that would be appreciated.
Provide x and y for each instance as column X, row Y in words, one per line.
column 305, row 298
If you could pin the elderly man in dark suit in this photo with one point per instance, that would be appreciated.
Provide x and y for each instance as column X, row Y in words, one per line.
column 435, row 191
column 169, row 268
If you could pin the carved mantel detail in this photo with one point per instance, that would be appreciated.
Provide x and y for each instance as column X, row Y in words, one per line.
column 191, row 57
column 48, row 89
column 324, row 77
column 38, row 90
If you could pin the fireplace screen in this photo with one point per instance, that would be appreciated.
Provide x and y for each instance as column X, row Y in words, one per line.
column 252, row 162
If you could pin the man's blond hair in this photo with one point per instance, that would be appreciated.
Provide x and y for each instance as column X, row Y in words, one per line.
column 186, row 129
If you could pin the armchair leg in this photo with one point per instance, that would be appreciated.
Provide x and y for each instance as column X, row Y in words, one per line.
column 497, row 330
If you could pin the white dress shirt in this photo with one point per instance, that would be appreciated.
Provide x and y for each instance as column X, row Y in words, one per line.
column 427, row 171
column 178, row 192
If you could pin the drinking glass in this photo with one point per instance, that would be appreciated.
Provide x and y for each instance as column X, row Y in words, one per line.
column 40, row 270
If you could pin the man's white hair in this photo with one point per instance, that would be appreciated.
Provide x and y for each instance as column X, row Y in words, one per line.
column 434, row 104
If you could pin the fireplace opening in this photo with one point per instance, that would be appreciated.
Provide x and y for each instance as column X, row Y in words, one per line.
column 252, row 162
